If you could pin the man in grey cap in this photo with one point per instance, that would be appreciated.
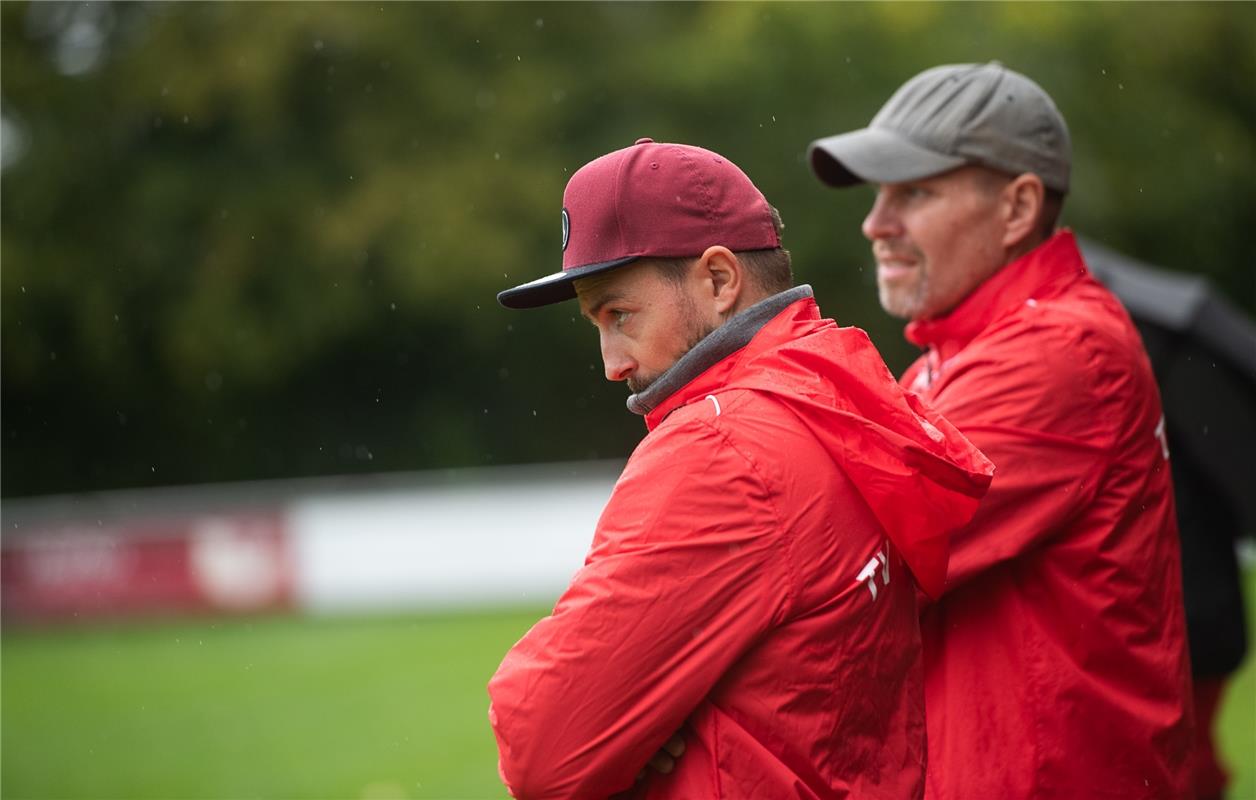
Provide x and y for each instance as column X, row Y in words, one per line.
column 1055, row 661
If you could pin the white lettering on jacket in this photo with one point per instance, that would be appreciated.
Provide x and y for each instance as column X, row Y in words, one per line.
column 869, row 573
column 1162, row 437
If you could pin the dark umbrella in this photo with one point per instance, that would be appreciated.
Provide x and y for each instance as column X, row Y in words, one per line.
column 1203, row 351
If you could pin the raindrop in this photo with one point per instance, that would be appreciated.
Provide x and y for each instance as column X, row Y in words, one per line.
column 318, row 44
column 540, row 23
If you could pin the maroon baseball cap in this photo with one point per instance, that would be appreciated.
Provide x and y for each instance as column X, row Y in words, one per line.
column 651, row 200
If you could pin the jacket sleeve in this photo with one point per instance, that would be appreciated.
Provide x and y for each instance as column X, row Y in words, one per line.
column 1043, row 405
column 685, row 573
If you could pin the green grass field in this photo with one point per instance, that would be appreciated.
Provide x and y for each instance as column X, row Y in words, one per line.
column 276, row 708
column 294, row 708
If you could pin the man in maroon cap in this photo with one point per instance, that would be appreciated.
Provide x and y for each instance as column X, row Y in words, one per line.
column 1055, row 660
column 750, row 582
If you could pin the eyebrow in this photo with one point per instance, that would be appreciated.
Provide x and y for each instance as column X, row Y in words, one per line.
column 609, row 297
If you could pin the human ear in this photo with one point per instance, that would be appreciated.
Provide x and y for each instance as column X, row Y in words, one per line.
column 725, row 273
column 1022, row 206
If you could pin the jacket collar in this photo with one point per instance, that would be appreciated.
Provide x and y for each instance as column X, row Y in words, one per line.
column 705, row 367
column 1038, row 274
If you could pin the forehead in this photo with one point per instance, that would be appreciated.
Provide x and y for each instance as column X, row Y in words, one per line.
column 969, row 176
column 625, row 282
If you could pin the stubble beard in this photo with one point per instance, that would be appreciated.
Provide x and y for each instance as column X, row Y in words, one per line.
column 902, row 299
column 904, row 302
column 695, row 331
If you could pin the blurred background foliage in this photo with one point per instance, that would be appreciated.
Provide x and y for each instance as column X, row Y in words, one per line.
column 245, row 241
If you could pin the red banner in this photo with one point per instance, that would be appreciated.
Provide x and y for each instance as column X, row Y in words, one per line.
column 237, row 563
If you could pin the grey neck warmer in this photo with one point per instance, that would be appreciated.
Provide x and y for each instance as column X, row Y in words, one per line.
column 718, row 345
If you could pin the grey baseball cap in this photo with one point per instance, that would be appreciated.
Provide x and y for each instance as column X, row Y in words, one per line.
column 949, row 116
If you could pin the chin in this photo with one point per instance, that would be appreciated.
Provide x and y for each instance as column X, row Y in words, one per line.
column 896, row 306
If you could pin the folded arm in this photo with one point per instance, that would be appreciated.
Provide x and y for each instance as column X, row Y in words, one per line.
column 682, row 578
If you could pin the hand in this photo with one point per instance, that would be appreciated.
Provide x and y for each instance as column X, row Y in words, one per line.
column 664, row 761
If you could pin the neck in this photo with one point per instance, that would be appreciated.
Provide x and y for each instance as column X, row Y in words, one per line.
column 744, row 301
column 1024, row 246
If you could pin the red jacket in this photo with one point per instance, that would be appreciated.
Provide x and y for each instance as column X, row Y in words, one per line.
column 741, row 584
column 1056, row 662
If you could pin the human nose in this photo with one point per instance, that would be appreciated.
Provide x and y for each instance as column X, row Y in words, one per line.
column 618, row 364
column 882, row 222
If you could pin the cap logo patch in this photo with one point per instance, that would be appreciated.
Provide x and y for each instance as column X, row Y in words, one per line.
column 566, row 229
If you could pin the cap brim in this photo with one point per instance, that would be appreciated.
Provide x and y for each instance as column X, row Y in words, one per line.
column 555, row 288
column 874, row 155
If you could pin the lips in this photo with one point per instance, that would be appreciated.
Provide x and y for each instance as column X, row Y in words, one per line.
column 894, row 269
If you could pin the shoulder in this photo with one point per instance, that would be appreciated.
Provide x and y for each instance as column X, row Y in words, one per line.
column 1072, row 363
column 696, row 449
column 740, row 429
column 755, row 424
column 1060, row 340
column 688, row 477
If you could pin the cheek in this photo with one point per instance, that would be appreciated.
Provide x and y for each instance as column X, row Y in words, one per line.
column 964, row 259
column 928, row 230
column 660, row 348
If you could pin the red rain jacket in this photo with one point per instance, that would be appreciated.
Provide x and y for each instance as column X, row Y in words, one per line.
column 1056, row 662
column 741, row 584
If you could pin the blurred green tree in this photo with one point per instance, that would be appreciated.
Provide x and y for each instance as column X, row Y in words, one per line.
column 263, row 240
